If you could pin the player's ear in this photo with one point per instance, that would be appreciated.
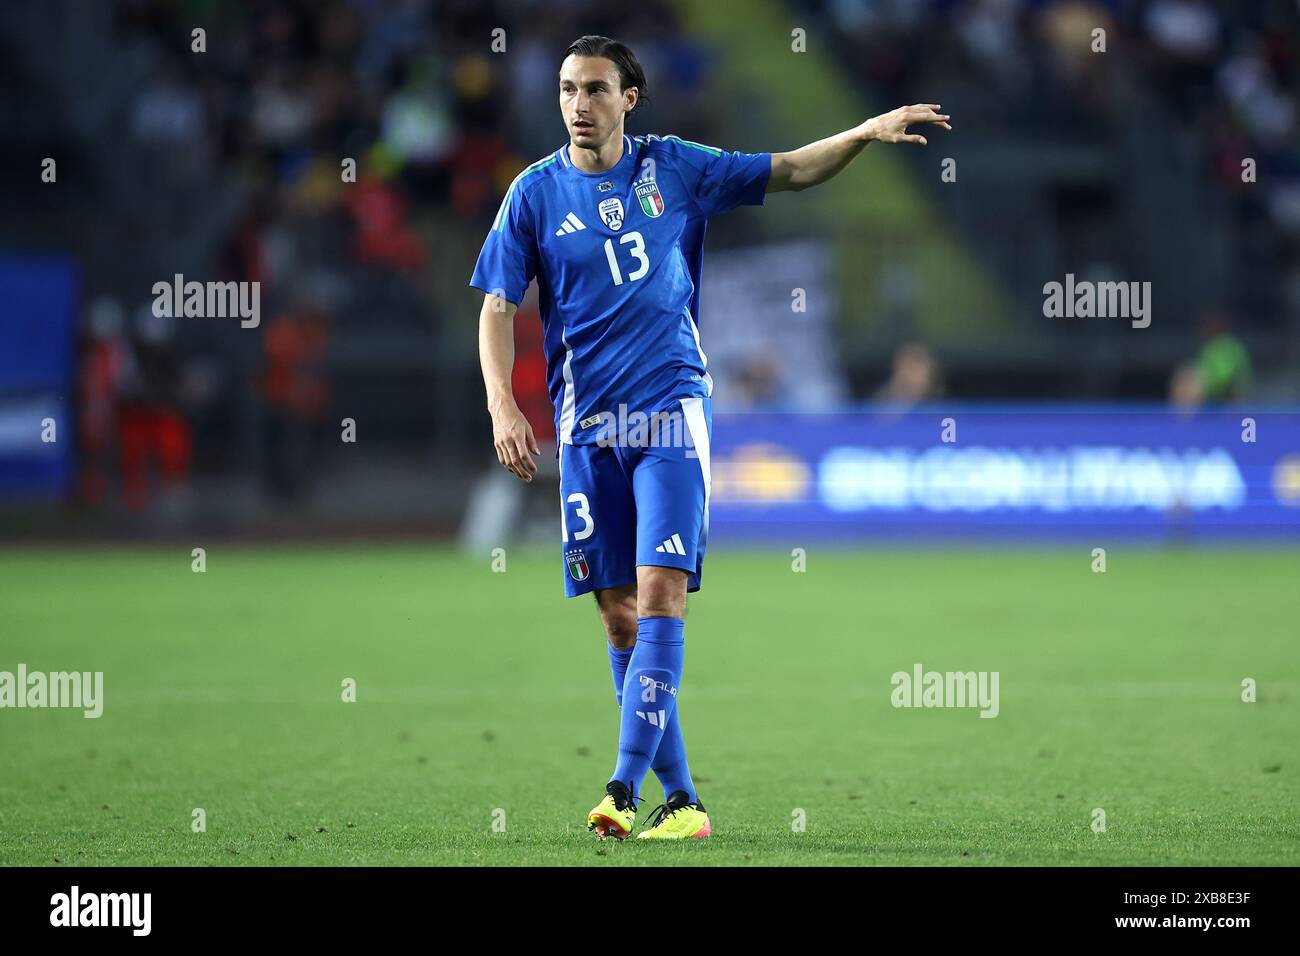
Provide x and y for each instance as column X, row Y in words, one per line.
column 631, row 96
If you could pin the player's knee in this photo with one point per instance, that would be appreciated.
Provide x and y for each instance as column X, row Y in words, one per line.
column 617, row 608
column 661, row 592
column 620, row 628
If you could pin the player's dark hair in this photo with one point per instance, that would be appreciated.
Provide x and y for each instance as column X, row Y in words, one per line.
column 629, row 67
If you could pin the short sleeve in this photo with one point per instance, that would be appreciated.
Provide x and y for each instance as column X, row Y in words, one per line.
column 728, row 180
column 508, row 260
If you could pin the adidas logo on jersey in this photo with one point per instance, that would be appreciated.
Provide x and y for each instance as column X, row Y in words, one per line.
column 655, row 717
column 571, row 224
column 672, row 545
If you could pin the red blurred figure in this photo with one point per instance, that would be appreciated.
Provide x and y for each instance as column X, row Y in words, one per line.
column 383, row 234
column 105, row 363
column 151, row 426
column 529, row 376
column 295, row 385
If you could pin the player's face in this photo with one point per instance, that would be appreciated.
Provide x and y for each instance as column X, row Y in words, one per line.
column 590, row 100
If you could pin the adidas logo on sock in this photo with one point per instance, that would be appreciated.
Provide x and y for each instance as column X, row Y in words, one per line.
column 571, row 224
column 655, row 717
column 672, row 545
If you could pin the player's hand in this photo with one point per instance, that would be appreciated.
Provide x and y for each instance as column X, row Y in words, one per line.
column 892, row 127
column 513, row 438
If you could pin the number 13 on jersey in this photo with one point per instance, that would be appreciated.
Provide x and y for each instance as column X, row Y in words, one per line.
column 638, row 253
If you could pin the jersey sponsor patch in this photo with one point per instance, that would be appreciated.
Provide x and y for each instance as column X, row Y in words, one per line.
column 611, row 212
column 652, row 201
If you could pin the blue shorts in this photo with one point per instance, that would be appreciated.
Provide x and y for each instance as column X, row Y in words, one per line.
column 642, row 499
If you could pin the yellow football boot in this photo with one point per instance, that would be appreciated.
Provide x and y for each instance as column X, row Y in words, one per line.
column 615, row 815
column 678, row 820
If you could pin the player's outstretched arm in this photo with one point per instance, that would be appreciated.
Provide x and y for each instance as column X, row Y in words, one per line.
column 817, row 162
column 511, row 434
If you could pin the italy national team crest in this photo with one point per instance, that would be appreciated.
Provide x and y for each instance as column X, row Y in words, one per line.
column 652, row 203
column 611, row 212
column 577, row 563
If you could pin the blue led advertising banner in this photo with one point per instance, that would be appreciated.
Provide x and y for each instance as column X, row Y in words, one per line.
column 1038, row 472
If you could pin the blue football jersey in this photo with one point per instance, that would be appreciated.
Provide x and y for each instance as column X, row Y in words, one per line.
column 617, row 258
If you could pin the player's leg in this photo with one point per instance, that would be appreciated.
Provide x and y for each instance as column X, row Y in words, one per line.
column 653, row 672
column 616, row 813
column 652, row 683
column 664, row 590
column 671, row 485
column 618, row 614
column 598, row 529
column 617, row 607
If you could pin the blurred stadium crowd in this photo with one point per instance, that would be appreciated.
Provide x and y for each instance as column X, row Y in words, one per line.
column 243, row 147
column 1211, row 82
column 1214, row 87
column 227, row 165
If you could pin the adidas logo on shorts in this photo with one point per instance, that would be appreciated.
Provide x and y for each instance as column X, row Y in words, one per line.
column 672, row 545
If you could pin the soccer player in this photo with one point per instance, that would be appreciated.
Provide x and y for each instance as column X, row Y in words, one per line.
column 612, row 228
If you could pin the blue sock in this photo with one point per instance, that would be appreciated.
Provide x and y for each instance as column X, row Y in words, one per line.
column 669, row 762
column 618, row 658
column 654, row 672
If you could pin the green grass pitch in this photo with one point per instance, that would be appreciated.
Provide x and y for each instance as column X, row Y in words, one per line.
column 486, row 696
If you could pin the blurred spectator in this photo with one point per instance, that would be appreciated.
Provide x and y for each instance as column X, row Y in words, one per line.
column 415, row 127
column 1222, row 365
column 913, row 380
column 168, row 111
column 106, row 363
column 757, row 381
column 383, row 235
column 1185, row 388
column 990, row 32
column 1221, row 371
column 153, row 434
column 281, row 113
column 295, row 385
column 529, row 376
column 1068, row 27
column 1185, row 38
column 1185, row 30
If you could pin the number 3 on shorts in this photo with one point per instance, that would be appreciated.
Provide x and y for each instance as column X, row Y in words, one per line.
column 583, row 512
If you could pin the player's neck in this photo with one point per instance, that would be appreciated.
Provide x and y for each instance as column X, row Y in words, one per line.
column 599, row 160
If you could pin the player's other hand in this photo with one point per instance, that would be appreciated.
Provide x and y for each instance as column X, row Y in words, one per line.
column 892, row 127
column 513, row 438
